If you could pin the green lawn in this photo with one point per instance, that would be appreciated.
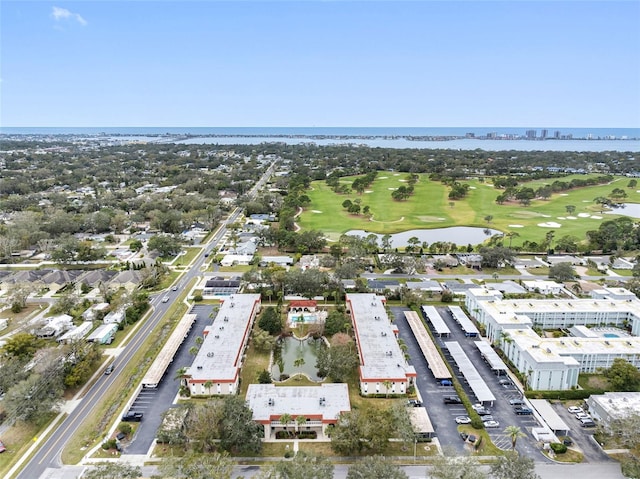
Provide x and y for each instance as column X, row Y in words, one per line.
column 429, row 208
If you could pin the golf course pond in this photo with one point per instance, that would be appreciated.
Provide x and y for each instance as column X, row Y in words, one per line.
column 460, row 235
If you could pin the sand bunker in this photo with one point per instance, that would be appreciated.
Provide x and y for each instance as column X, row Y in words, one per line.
column 549, row 224
column 564, row 194
column 515, row 226
column 584, row 215
column 562, row 218
column 472, row 187
column 368, row 191
column 396, row 174
column 402, row 181
column 392, row 189
column 595, row 217
column 316, row 211
column 571, row 218
column 545, row 216
column 382, row 177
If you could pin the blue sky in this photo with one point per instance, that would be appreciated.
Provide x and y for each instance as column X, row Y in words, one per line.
column 320, row 63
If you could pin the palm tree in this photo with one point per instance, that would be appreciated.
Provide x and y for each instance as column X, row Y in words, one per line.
column 514, row 432
column 387, row 386
column 199, row 340
column 300, row 420
column 193, row 350
column 207, row 386
column 285, row 419
column 180, row 373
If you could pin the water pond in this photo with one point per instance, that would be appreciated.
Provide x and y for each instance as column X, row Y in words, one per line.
column 460, row 235
column 294, row 356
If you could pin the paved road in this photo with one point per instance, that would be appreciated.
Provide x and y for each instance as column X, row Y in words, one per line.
column 545, row 471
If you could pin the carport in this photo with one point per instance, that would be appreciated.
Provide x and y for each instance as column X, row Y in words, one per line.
column 470, row 373
column 431, row 314
column 465, row 323
column 429, row 351
column 494, row 361
column 550, row 417
column 421, row 422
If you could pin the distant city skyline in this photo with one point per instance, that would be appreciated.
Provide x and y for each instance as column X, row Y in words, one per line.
column 320, row 64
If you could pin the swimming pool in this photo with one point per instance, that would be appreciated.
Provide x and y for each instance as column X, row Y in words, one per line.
column 610, row 335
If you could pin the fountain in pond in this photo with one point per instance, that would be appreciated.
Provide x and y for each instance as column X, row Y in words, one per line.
column 293, row 356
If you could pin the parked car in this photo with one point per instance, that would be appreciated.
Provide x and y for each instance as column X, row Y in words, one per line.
column 2, row 447
column 505, row 382
column 109, row 369
column 446, row 382
column 517, row 402
column 587, row 423
column 471, row 438
column 452, row 400
column 463, row 419
column 582, row 415
column 483, row 412
column 567, row 442
column 488, row 417
column 575, row 409
column 133, row 416
column 523, row 411
column 491, row 424
column 464, row 436
column 414, row 403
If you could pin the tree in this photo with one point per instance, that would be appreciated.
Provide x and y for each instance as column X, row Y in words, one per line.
column 456, row 467
column 112, row 470
column 262, row 340
column 496, row 256
column 488, row 219
column 18, row 294
column 363, row 429
column 22, row 346
column 632, row 183
column 34, row 398
column 514, row 466
column 336, row 322
column 239, row 433
column 165, row 245
column 135, row 245
column 285, row 419
column 623, row 376
column 568, row 243
column 196, row 466
column 570, row 209
column 562, row 272
column 303, row 466
column 339, row 360
column 375, row 466
column 264, row 377
column 270, row 320
column 514, row 432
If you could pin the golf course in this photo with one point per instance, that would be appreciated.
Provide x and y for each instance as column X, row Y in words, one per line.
column 429, row 207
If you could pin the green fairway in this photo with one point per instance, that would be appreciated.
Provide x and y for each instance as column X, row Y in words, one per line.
column 430, row 207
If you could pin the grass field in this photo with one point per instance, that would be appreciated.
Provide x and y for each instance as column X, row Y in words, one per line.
column 430, row 207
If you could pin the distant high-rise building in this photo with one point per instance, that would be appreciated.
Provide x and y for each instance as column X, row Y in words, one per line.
column 556, row 134
column 531, row 134
column 543, row 134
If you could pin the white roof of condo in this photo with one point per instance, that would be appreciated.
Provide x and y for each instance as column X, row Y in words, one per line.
column 380, row 355
column 219, row 354
column 618, row 404
column 269, row 402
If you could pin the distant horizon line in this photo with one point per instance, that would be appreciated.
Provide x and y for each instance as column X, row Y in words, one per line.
column 316, row 126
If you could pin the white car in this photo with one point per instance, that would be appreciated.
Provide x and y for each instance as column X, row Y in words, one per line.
column 491, row 424
column 165, row 299
column 575, row 409
column 582, row 415
column 463, row 419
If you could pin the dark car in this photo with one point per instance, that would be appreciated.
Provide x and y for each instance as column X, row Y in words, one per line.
column 133, row 416
column 517, row 402
column 483, row 412
column 446, row 382
column 109, row 369
column 414, row 403
column 522, row 411
column 452, row 400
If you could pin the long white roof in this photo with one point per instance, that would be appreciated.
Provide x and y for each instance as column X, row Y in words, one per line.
column 380, row 355
column 219, row 354
column 470, row 373
column 436, row 320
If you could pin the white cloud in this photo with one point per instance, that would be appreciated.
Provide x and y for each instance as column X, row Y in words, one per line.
column 59, row 14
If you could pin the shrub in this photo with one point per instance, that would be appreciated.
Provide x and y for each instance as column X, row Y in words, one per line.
column 476, row 422
column 558, row 447
column 288, row 454
column 109, row 444
column 197, row 298
column 125, row 428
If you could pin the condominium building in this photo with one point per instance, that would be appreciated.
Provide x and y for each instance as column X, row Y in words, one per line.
column 216, row 367
column 383, row 367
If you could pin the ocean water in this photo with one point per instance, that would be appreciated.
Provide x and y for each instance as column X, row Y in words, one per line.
column 462, row 138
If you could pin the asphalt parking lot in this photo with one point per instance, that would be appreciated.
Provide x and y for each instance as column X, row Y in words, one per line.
column 443, row 415
column 154, row 402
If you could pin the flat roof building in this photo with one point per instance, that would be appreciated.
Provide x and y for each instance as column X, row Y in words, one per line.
column 610, row 406
column 319, row 405
column 383, row 367
column 219, row 360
